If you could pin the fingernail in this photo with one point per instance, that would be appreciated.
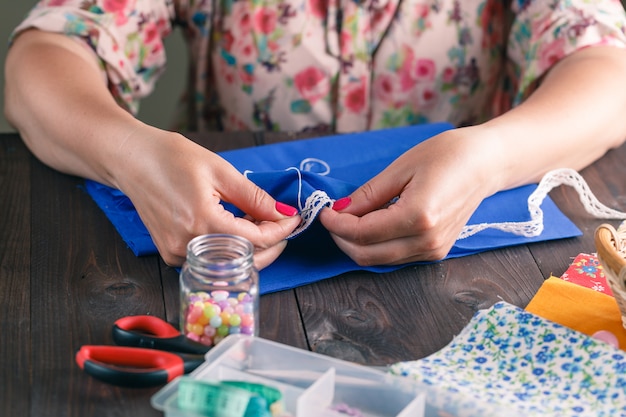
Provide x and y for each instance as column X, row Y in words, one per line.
column 285, row 209
column 342, row 203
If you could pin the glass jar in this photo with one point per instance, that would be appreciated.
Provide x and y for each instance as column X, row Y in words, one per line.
column 219, row 289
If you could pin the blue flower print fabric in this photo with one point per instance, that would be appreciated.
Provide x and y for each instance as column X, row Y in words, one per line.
column 518, row 363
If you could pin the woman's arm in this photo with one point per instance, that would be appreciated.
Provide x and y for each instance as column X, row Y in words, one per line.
column 572, row 119
column 57, row 97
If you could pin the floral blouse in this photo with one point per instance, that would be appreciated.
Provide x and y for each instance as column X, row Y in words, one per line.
column 335, row 65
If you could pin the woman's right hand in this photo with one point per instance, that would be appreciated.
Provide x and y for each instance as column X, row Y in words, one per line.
column 178, row 186
column 57, row 98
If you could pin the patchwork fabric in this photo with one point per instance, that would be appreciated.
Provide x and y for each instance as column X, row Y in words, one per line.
column 579, row 308
column 509, row 362
column 587, row 271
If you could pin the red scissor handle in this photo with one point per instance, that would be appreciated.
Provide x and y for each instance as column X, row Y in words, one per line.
column 130, row 366
column 148, row 324
column 154, row 333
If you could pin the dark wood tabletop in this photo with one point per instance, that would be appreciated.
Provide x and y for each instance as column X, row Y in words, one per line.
column 66, row 276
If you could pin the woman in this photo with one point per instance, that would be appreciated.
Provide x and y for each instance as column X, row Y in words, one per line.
column 536, row 85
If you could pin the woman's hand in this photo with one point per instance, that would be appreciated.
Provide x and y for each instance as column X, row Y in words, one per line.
column 439, row 182
column 58, row 99
column 571, row 120
column 177, row 188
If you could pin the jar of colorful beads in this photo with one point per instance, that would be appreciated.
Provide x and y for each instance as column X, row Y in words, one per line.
column 218, row 289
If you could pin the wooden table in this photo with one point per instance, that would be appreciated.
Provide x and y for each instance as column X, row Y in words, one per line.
column 66, row 276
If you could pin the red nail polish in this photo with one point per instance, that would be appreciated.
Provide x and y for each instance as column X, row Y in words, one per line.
column 342, row 203
column 285, row 209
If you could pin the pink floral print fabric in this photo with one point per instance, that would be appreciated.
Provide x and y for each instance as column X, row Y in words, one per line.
column 335, row 65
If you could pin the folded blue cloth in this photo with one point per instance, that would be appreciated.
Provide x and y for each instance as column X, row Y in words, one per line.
column 292, row 171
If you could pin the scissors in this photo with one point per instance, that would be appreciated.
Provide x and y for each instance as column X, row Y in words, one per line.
column 150, row 352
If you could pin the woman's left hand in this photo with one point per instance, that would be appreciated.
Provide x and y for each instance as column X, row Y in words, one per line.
column 439, row 183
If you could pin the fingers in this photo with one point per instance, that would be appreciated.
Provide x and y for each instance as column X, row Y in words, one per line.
column 436, row 194
column 264, row 258
column 268, row 238
column 253, row 200
column 375, row 193
column 392, row 252
column 362, row 219
column 382, row 238
column 267, row 221
column 185, row 201
column 376, row 226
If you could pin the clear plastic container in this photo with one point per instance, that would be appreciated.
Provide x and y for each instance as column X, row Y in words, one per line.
column 219, row 289
column 311, row 384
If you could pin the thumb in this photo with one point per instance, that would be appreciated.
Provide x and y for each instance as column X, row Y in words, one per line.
column 376, row 193
column 256, row 202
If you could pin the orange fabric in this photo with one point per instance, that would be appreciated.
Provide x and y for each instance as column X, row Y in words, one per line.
column 578, row 308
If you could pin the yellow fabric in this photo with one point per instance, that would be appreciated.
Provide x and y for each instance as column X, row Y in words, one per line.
column 578, row 308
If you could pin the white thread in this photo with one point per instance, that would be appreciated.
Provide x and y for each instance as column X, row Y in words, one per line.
column 305, row 165
column 315, row 202
column 299, row 197
column 308, row 163
column 534, row 226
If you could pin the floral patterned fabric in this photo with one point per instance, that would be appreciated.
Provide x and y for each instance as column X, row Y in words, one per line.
column 516, row 363
column 587, row 271
column 335, row 65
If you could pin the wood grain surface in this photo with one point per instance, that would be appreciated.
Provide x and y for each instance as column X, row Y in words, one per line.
column 66, row 276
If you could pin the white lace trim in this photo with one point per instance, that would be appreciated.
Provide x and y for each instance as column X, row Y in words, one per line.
column 534, row 226
column 314, row 203
column 531, row 228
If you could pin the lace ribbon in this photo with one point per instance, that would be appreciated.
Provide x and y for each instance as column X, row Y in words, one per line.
column 314, row 203
column 531, row 228
column 534, row 226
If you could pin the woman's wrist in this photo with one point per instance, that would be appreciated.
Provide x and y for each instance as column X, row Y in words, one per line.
column 488, row 163
column 136, row 153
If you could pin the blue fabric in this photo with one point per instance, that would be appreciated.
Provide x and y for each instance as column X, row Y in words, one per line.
column 352, row 159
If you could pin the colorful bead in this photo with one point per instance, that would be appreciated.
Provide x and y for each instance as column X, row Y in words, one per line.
column 193, row 337
column 216, row 322
column 212, row 316
column 209, row 311
column 223, row 330
column 209, row 331
column 235, row 319
column 247, row 320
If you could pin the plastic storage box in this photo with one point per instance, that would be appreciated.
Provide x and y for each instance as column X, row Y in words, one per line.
column 312, row 385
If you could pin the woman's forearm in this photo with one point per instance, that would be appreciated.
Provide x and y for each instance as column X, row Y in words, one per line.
column 573, row 118
column 57, row 98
